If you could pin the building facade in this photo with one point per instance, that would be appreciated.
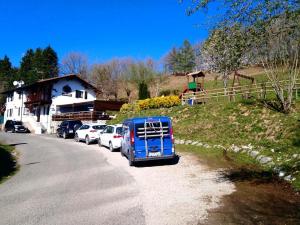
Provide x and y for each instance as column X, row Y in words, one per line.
column 36, row 104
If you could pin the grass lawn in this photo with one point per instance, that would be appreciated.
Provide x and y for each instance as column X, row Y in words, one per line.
column 8, row 162
column 241, row 123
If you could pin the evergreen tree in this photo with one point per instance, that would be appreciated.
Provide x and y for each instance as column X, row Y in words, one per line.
column 187, row 58
column 51, row 62
column 7, row 76
column 182, row 60
column 39, row 64
column 143, row 91
column 171, row 61
column 26, row 66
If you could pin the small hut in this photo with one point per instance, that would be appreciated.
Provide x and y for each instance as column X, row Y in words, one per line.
column 194, row 82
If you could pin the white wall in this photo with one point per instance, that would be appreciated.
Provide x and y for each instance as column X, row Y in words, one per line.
column 57, row 99
column 15, row 105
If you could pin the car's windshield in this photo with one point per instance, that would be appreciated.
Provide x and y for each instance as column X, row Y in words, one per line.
column 99, row 127
column 18, row 123
column 73, row 123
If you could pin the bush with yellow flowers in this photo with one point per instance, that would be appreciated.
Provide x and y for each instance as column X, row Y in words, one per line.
column 152, row 103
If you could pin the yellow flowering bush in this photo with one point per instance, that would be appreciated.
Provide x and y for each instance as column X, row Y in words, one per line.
column 152, row 103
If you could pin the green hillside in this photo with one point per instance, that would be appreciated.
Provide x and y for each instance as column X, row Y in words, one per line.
column 240, row 123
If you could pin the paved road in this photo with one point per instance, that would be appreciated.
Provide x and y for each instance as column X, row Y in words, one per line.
column 64, row 182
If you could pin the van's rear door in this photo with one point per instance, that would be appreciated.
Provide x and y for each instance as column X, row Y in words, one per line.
column 153, row 138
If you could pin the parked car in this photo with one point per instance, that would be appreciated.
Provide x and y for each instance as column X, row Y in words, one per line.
column 68, row 128
column 111, row 137
column 15, row 126
column 101, row 130
column 148, row 138
column 89, row 133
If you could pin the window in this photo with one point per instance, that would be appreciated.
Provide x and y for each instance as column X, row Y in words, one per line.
column 9, row 112
column 66, row 91
column 119, row 130
column 19, row 111
column 85, row 95
column 109, row 130
column 84, row 127
column 20, row 96
column 10, row 97
column 79, row 94
column 99, row 127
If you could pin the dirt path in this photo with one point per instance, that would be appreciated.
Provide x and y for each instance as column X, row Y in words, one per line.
column 175, row 194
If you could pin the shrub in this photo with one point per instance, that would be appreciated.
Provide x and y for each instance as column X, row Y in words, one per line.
column 130, row 108
column 143, row 91
column 151, row 103
column 165, row 92
column 176, row 92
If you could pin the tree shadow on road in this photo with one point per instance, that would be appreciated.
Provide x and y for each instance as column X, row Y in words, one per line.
column 21, row 143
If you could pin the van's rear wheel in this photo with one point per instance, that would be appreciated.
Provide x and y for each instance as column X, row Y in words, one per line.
column 122, row 154
column 130, row 162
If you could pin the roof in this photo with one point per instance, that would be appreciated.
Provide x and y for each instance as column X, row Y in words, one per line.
column 53, row 80
column 196, row 74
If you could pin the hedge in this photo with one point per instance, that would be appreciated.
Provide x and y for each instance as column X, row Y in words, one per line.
column 151, row 103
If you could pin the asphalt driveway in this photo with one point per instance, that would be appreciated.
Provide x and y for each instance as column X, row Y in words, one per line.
column 64, row 182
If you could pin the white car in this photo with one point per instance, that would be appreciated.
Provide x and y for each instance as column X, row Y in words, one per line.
column 88, row 133
column 111, row 137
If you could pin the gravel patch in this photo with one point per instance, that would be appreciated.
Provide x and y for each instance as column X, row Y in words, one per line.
column 176, row 194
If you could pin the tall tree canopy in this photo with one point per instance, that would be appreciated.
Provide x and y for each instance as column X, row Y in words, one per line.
column 7, row 76
column 181, row 60
column 38, row 64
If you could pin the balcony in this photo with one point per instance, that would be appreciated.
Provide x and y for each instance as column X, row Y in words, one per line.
column 83, row 116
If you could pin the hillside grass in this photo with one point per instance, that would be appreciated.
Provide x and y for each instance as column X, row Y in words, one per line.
column 241, row 123
column 8, row 162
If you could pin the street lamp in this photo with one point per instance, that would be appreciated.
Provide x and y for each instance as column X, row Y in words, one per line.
column 19, row 84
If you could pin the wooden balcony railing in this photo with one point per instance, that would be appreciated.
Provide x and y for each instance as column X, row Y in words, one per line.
column 84, row 116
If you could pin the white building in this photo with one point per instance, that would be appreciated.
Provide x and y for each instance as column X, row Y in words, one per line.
column 66, row 97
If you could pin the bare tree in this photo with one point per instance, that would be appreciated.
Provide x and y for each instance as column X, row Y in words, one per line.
column 281, row 58
column 75, row 63
column 101, row 78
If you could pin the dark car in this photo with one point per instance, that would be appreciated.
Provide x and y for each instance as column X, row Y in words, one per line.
column 68, row 128
column 15, row 126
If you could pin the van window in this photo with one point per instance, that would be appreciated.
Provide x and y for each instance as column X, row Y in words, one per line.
column 152, row 129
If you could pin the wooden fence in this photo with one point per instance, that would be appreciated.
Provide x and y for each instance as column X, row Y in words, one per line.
column 244, row 91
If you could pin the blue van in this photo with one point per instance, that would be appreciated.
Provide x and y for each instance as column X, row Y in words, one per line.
column 147, row 138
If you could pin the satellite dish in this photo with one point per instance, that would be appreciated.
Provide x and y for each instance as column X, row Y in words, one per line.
column 15, row 83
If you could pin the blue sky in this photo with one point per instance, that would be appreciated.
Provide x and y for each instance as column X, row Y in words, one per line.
column 101, row 29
